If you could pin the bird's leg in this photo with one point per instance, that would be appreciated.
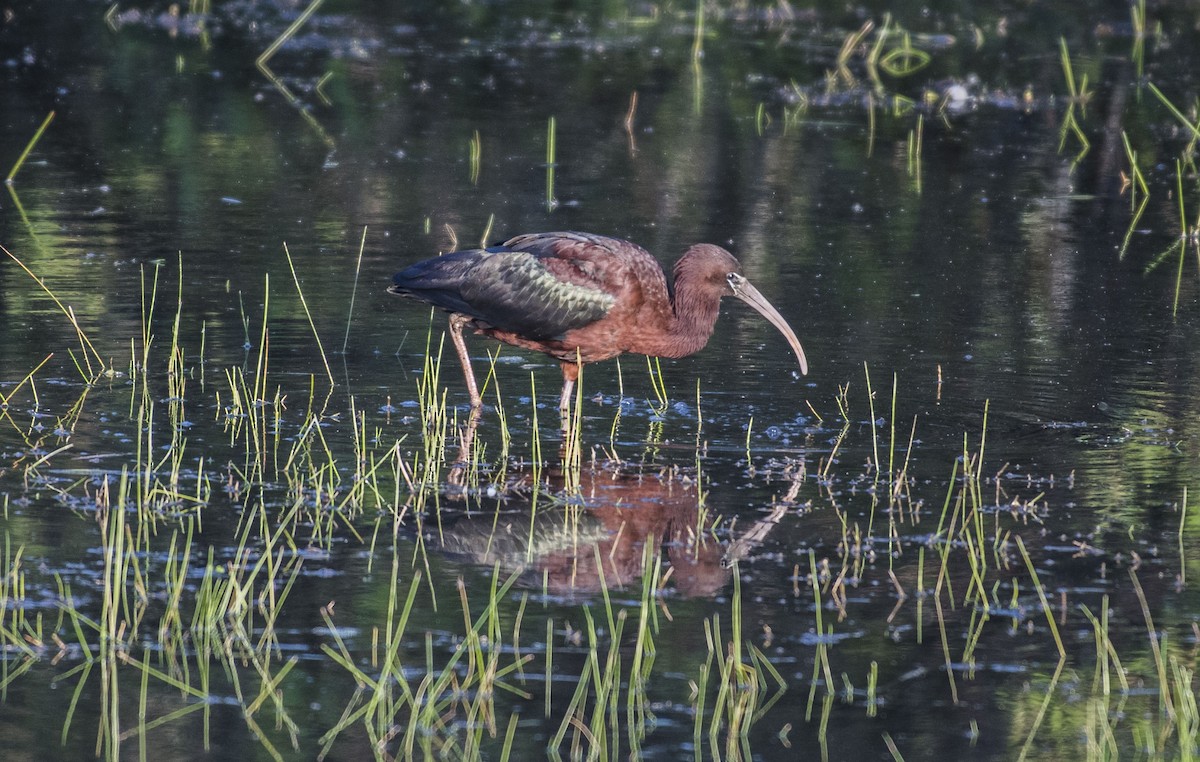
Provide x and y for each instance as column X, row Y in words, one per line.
column 456, row 335
column 458, row 471
column 568, row 450
column 570, row 371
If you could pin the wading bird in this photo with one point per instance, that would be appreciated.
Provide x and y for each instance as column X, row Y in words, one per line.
column 583, row 298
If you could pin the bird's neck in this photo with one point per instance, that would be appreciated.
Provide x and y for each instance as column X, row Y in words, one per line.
column 692, row 320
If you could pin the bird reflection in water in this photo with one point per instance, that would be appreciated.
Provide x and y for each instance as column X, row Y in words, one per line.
column 599, row 539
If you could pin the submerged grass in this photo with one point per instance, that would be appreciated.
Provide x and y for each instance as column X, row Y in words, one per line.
column 551, row 163
column 1136, row 183
column 263, row 64
column 93, row 362
column 1077, row 98
column 33, row 141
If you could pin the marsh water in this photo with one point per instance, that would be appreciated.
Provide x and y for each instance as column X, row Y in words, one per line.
column 231, row 528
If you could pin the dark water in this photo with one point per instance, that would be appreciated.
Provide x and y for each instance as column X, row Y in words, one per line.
column 981, row 285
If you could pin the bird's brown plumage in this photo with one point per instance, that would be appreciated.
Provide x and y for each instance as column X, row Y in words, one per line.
column 580, row 298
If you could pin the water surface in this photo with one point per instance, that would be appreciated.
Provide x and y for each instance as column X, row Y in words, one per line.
column 217, row 507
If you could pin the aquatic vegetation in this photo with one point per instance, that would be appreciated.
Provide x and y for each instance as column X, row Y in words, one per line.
column 186, row 610
column 225, row 530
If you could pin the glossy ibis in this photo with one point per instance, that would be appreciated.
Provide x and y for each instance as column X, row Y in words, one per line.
column 582, row 298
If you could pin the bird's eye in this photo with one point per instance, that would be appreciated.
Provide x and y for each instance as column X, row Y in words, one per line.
column 734, row 280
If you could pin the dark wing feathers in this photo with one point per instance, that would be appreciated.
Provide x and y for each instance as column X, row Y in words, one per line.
column 535, row 286
column 437, row 281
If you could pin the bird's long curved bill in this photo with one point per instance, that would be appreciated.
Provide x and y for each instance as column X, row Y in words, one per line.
column 750, row 295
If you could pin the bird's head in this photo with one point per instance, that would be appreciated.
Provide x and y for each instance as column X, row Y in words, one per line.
column 720, row 271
